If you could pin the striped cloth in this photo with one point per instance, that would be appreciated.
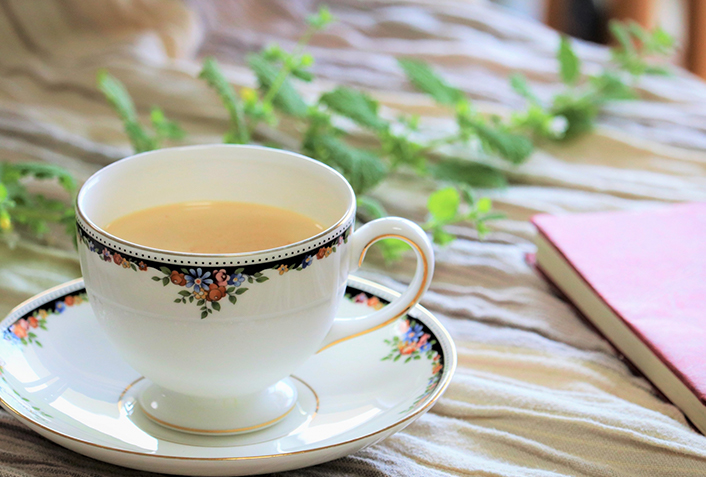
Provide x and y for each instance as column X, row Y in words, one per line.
column 537, row 392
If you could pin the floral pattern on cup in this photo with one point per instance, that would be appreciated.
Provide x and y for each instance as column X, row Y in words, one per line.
column 207, row 287
column 411, row 342
column 23, row 331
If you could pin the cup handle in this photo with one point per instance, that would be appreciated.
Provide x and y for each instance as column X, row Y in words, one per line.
column 388, row 227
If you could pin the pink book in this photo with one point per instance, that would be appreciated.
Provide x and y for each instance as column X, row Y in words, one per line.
column 640, row 278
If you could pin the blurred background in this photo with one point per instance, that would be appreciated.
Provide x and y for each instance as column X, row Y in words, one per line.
column 534, row 381
column 685, row 20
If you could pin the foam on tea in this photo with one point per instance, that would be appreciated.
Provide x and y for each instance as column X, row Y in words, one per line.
column 214, row 227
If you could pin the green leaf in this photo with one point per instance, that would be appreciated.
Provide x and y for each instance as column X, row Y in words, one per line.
column 165, row 270
column 423, row 77
column 361, row 168
column 230, row 289
column 164, row 127
column 43, row 171
column 204, row 314
column 397, row 357
column 610, row 87
column 178, row 300
column 238, row 270
column 519, row 84
column 184, row 293
column 132, row 265
column 467, row 172
column 122, row 104
column 661, row 41
column 232, row 299
column 355, row 105
column 321, row 19
column 569, row 64
column 214, row 77
column 261, row 279
column 484, row 205
column 443, row 204
column 287, row 99
column 622, row 36
column 250, row 280
column 191, row 299
column 513, row 147
column 200, row 302
column 441, row 237
column 216, row 306
column 240, row 291
column 257, row 275
column 156, row 279
column 165, row 281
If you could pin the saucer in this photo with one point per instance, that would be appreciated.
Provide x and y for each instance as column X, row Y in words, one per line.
column 61, row 377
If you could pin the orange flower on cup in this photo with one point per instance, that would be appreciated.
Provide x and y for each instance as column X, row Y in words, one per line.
column 33, row 321
column 282, row 269
column 321, row 253
column 117, row 258
column 406, row 348
column 375, row 302
column 19, row 329
column 142, row 266
column 215, row 292
column 177, row 278
column 69, row 300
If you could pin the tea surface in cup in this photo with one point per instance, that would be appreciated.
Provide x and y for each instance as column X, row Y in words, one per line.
column 214, row 227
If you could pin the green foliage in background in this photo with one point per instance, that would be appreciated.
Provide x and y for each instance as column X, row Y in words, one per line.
column 570, row 112
column 35, row 212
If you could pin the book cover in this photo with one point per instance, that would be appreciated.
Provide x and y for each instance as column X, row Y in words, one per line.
column 649, row 268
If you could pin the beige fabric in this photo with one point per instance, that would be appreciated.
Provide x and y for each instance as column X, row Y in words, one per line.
column 537, row 392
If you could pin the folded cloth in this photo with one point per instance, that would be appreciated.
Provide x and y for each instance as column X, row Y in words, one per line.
column 537, row 392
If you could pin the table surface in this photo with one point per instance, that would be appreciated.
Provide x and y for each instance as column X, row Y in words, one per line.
column 537, row 392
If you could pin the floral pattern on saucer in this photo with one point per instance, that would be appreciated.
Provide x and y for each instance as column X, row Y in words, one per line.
column 412, row 341
column 23, row 330
column 206, row 287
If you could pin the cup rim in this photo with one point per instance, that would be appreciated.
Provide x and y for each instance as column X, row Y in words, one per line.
column 345, row 219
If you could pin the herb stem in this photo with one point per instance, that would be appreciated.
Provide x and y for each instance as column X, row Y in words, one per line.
column 287, row 66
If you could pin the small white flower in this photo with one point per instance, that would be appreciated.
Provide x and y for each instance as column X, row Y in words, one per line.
column 558, row 126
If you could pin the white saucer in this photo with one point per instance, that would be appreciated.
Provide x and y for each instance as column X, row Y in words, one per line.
column 62, row 378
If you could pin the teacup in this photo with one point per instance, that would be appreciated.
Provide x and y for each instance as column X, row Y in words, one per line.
column 219, row 362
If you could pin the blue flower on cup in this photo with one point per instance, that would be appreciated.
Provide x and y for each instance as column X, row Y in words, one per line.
column 198, row 280
column 307, row 261
column 60, row 307
column 10, row 336
column 236, row 279
column 414, row 332
column 91, row 246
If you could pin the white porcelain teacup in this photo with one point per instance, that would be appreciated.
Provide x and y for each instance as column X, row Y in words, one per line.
column 218, row 335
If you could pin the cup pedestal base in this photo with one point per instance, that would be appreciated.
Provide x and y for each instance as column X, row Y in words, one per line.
column 218, row 416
